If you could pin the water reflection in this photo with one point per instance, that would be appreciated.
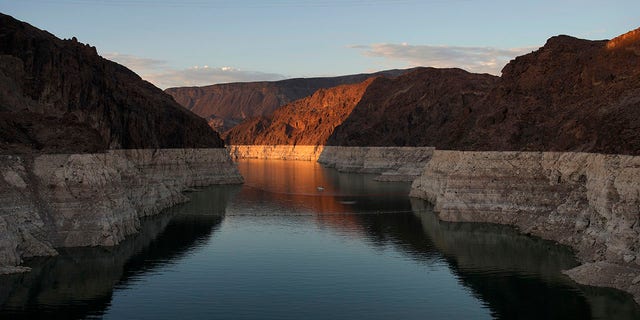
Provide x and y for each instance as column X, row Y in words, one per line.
column 517, row 276
column 356, row 248
column 294, row 187
column 80, row 281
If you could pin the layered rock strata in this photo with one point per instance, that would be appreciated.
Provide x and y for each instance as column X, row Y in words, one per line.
column 276, row 152
column 69, row 200
column 392, row 163
column 588, row 201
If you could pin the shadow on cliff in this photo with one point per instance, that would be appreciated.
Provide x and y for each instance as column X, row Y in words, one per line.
column 80, row 281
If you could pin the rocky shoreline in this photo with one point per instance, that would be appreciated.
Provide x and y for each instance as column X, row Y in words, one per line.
column 69, row 200
column 276, row 152
column 584, row 200
column 587, row 201
column 391, row 163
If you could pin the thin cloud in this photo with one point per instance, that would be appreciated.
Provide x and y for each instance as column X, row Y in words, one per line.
column 473, row 59
column 134, row 62
column 163, row 76
column 199, row 76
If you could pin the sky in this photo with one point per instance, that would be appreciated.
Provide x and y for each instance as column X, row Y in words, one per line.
column 200, row 42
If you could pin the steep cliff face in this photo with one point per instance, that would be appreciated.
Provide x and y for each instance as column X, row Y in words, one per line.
column 570, row 95
column 585, row 200
column 309, row 121
column 60, row 96
column 69, row 200
column 427, row 107
column 62, row 107
column 226, row 105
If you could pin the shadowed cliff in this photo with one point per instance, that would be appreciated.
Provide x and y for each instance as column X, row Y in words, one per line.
column 60, row 96
column 570, row 95
column 427, row 107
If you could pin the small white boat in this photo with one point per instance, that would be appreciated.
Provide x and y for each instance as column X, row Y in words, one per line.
column 320, row 188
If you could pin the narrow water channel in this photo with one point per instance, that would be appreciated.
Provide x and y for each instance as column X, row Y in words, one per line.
column 299, row 241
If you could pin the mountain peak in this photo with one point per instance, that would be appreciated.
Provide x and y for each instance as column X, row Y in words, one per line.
column 631, row 38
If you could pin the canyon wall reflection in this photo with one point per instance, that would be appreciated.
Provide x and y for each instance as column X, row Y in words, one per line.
column 79, row 283
column 304, row 187
column 517, row 276
column 510, row 270
column 513, row 275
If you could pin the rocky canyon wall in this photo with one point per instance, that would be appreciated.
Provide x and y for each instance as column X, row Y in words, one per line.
column 276, row 152
column 68, row 200
column 588, row 201
column 392, row 163
column 225, row 105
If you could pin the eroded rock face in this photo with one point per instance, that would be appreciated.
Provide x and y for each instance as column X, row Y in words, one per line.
column 570, row 95
column 69, row 200
column 276, row 152
column 227, row 105
column 584, row 200
column 427, row 107
column 392, row 163
column 309, row 121
column 60, row 96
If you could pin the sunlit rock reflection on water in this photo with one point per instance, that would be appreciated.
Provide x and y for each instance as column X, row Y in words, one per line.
column 279, row 247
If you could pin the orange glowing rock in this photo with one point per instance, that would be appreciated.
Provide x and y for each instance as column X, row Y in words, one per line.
column 625, row 40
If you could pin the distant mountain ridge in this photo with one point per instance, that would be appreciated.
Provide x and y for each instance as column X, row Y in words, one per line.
column 61, row 96
column 226, row 105
column 380, row 111
column 569, row 95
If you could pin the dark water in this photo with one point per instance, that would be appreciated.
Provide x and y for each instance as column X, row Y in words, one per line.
column 278, row 248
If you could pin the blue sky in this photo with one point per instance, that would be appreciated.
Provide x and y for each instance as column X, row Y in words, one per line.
column 199, row 42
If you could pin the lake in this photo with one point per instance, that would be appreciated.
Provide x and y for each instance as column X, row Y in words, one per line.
column 299, row 241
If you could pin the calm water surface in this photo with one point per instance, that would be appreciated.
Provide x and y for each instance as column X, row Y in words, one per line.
column 279, row 248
